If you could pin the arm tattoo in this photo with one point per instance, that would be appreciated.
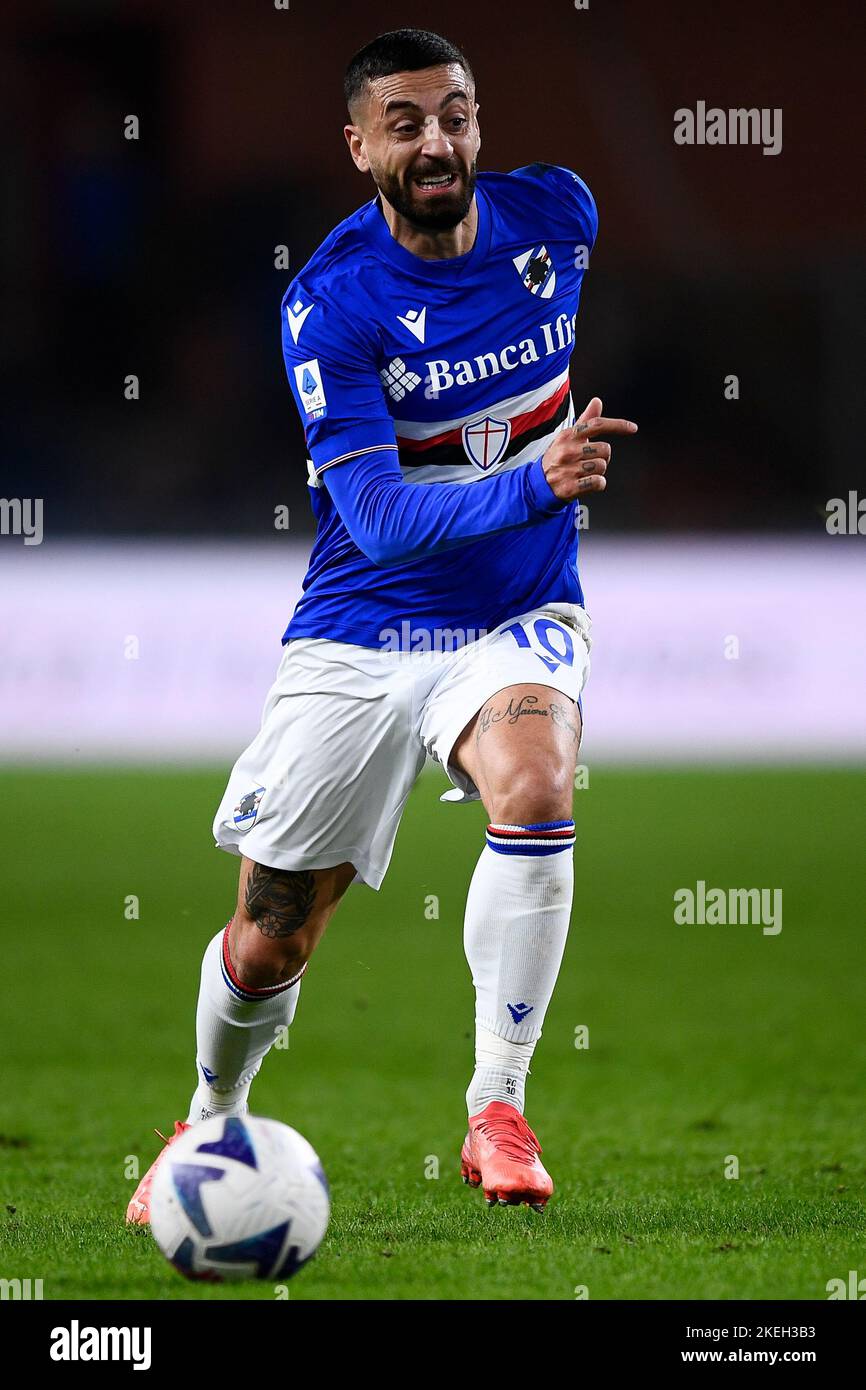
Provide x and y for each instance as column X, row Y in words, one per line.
column 279, row 900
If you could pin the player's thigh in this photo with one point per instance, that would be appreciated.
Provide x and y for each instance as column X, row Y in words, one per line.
column 520, row 750
column 323, row 784
column 505, row 721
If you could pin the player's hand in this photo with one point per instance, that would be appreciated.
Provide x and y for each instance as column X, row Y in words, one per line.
column 576, row 462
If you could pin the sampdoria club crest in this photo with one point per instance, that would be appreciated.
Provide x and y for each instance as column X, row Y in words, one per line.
column 248, row 808
column 535, row 269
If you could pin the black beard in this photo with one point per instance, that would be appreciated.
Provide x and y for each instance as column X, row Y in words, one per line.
column 442, row 219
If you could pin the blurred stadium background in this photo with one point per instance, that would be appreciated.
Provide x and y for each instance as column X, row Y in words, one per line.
column 144, row 630
column 156, row 257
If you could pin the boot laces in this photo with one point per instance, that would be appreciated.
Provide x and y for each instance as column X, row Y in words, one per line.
column 179, row 1127
column 512, row 1137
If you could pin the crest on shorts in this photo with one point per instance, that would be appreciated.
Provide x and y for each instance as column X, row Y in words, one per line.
column 485, row 441
column 248, row 808
column 536, row 271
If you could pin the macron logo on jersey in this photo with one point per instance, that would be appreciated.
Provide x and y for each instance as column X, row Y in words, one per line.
column 416, row 322
column 308, row 380
column 297, row 317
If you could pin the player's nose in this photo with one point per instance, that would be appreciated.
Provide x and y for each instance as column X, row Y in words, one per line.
column 436, row 143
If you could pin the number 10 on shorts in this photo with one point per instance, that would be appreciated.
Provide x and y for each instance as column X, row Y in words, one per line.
column 548, row 636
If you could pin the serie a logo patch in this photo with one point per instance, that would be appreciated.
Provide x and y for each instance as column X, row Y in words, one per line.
column 308, row 379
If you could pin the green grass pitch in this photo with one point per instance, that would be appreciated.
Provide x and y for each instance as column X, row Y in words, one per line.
column 704, row 1042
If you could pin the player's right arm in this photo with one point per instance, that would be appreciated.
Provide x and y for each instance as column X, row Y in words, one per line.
column 351, row 441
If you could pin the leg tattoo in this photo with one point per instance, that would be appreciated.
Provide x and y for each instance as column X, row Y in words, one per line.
column 279, row 901
column 514, row 710
column 561, row 716
column 527, row 706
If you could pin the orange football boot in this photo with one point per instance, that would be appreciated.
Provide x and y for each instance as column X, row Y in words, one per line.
column 500, row 1153
column 138, row 1211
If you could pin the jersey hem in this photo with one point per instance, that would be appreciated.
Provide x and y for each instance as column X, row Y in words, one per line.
column 360, row 636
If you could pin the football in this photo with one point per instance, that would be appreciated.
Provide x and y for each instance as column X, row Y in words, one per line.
column 239, row 1198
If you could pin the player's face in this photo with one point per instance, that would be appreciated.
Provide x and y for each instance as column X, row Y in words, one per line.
column 418, row 135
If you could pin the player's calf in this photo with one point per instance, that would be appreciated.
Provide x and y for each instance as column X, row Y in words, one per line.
column 251, row 978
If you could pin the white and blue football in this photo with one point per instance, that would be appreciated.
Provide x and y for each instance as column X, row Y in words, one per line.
column 239, row 1198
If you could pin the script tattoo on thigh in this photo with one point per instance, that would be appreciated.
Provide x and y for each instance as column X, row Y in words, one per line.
column 561, row 716
column 512, row 712
column 527, row 705
column 279, row 900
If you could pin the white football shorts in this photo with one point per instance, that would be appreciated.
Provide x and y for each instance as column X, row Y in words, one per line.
column 346, row 730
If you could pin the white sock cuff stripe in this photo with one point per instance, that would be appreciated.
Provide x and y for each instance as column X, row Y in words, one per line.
column 544, row 837
column 245, row 992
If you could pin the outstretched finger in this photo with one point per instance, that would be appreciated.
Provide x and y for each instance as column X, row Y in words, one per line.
column 591, row 411
column 602, row 425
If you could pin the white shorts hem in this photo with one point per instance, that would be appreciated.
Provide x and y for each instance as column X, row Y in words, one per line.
column 365, row 872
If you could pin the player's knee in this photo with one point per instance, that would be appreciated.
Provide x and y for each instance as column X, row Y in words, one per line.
column 259, row 961
column 532, row 795
column 275, row 926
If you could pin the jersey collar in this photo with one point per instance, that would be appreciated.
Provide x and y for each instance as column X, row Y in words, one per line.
column 380, row 233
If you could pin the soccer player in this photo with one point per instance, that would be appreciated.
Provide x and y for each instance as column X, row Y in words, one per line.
column 427, row 345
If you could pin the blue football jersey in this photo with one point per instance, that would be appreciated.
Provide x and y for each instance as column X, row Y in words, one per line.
column 449, row 377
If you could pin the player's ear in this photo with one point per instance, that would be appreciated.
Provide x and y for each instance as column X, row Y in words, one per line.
column 355, row 141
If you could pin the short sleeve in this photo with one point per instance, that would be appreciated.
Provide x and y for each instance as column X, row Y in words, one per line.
column 575, row 204
column 334, row 379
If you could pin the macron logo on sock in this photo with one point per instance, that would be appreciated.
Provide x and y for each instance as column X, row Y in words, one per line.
column 519, row 1011
column 209, row 1076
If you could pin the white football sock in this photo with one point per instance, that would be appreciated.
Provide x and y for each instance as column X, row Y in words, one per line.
column 517, row 915
column 235, row 1028
column 501, row 1069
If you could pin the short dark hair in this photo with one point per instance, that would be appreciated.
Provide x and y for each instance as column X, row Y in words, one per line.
column 402, row 50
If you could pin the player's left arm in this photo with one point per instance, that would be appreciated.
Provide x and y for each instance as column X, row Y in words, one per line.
column 569, row 207
column 577, row 461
